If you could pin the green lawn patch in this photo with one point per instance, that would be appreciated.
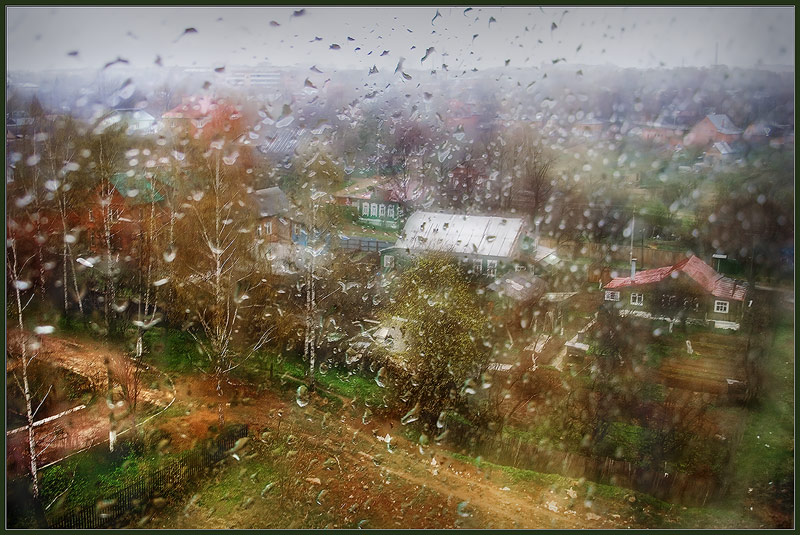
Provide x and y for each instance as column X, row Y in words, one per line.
column 766, row 451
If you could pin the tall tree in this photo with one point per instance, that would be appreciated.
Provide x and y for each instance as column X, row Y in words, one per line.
column 528, row 163
column 318, row 219
column 444, row 330
column 26, row 349
column 215, row 272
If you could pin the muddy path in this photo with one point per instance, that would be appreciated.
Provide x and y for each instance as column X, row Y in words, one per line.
column 87, row 425
column 394, row 485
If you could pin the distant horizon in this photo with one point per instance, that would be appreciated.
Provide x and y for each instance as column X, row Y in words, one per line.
column 427, row 37
column 777, row 68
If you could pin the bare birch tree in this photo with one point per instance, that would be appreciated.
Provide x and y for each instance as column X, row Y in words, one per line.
column 215, row 272
column 27, row 349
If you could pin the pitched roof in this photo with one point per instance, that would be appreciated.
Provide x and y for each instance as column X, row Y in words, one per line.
column 724, row 148
column 723, row 124
column 360, row 188
column 272, row 201
column 136, row 187
column 284, row 141
column 191, row 108
column 523, row 287
column 703, row 274
column 461, row 234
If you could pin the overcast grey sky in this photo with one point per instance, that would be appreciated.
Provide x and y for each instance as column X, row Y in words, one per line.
column 42, row 38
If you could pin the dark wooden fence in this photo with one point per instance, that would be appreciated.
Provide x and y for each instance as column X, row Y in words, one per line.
column 364, row 244
column 668, row 485
column 137, row 494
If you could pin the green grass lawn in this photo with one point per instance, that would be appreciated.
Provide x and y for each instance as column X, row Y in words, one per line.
column 291, row 370
column 767, row 449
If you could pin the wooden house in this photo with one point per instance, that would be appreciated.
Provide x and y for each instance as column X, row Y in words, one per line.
column 485, row 245
column 274, row 215
column 129, row 207
column 689, row 289
column 713, row 128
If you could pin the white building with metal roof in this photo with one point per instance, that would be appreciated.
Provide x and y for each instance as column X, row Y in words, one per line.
column 485, row 241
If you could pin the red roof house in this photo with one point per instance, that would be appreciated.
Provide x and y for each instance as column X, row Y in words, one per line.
column 690, row 288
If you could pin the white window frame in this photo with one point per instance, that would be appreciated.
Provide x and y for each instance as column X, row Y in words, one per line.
column 721, row 307
column 491, row 268
column 477, row 265
column 91, row 215
column 268, row 227
column 611, row 295
column 373, row 210
column 390, row 211
column 382, row 211
column 388, row 261
column 365, row 209
column 637, row 299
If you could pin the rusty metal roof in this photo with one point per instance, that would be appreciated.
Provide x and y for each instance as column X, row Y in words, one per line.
column 703, row 274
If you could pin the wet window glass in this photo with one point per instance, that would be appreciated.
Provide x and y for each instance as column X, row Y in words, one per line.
column 400, row 267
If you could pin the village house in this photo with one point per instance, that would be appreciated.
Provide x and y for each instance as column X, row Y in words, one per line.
column 518, row 294
column 191, row 109
column 377, row 204
column 138, row 122
column 713, row 128
column 275, row 231
column 485, row 245
column 763, row 133
column 689, row 289
column 359, row 190
column 129, row 206
column 274, row 215
column 721, row 152
column 589, row 127
column 664, row 130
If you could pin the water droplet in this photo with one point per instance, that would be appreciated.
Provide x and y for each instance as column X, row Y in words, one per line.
column 170, row 254
column 380, row 378
column 302, row 397
column 411, row 416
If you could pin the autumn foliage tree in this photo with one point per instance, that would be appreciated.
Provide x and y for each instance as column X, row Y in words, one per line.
column 444, row 332
column 215, row 272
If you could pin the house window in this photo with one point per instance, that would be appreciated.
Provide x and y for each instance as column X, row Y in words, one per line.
column 519, row 267
column 258, row 230
column 391, row 211
column 721, row 307
column 373, row 210
column 388, row 261
column 382, row 211
column 365, row 209
column 477, row 265
column 612, row 296
column 91, row 215
column 268, row 227
column 491, row 268
column 637, row 299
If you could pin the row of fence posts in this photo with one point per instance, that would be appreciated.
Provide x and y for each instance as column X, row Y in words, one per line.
column 668, row 485
column 136, row 494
